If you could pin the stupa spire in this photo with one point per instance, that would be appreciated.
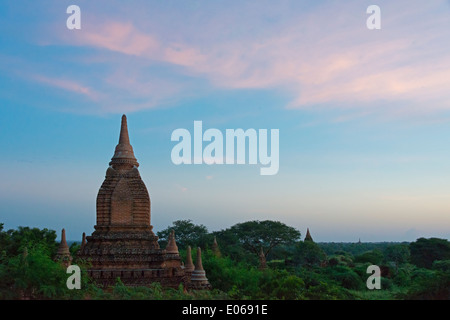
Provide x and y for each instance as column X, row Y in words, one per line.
column 189, row 265
column 308, row 236
column 83, row 240
column 124, row 154
column 215, row 248
column 171, row 244
column 198, row 276
column 198, row 263
column 124, row 138
column 63, row 253
column 63, row 246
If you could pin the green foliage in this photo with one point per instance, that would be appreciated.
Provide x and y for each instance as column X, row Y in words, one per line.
column 386, row 283
column 296, row 270
column 319, row 285
column 242, row 281
column 14, row 241
column 346, row 277
column 229, row 246
column 397, row 254
column 374, row 256
column 403, row 276
column 308, row 253
column 254, row 235
column 352, row 249
column 345, row 259
column 441, row 265
column 238, row 279
column 34, row 275
column 30, row 272
column 276, row 284
column 425, row 251
column 154, row 292
column 73, row 249
column 186, row 234
column 428, row 284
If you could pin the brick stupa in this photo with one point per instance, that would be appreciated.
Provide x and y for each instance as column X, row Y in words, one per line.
column 63, row 254
column 123, row 244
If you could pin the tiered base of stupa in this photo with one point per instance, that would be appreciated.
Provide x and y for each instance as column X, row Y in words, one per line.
column 131, row 254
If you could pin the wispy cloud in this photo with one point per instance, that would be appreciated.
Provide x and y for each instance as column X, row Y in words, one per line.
column 68, row 85
column 121, row 37
column 324, row 55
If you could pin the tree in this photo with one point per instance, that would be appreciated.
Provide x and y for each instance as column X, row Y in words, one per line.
column 346, row 276
column 265, row 235
column 425, row 251
column 374, row 256
column 186, row 234
column 442, row 265
column 308, row 253
column 32, row 274
column 398, row 254
column 16, row 240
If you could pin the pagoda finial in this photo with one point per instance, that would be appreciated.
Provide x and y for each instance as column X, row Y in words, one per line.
column 172, row 247
column 63, row 253
column 198, row 276
column 124, row 155
column 83, row 240
column 124, row 138
column 63, row 246
column 308, row 236
column 198, row 263
column 215, row 248
column 63, row 237
column 189, row 266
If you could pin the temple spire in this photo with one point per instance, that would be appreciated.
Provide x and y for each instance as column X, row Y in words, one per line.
column 198, row 276
column 172, row 247
column 63, row 253
column 215, row 248
column 124, row 155
column 189, row 265
column 198, row 263
column 83, row 240
column 63, row 246
column 124, row 138
column 308, row 236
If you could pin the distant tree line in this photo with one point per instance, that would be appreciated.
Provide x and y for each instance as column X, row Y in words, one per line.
column 254, row 260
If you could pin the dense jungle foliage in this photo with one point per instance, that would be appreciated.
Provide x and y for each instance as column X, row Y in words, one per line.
column 255, row 260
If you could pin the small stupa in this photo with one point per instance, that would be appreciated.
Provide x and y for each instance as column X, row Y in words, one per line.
column 172, row 247
column 83, row 241
column 63, row 254
column 198, row 276
column 308, row 236
column 215, row 248
column 189, row 265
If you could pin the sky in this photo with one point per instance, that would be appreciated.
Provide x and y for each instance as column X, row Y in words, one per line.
column 363, row 115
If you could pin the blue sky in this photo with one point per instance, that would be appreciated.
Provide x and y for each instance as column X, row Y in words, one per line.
column 363, row 114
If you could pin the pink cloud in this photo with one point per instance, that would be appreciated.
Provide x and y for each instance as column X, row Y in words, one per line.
column 321, row 56
column 119, row 37
column 68, row 85
column 183, row 55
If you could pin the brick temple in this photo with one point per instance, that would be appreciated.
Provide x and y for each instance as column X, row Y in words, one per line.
column 123, row 244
